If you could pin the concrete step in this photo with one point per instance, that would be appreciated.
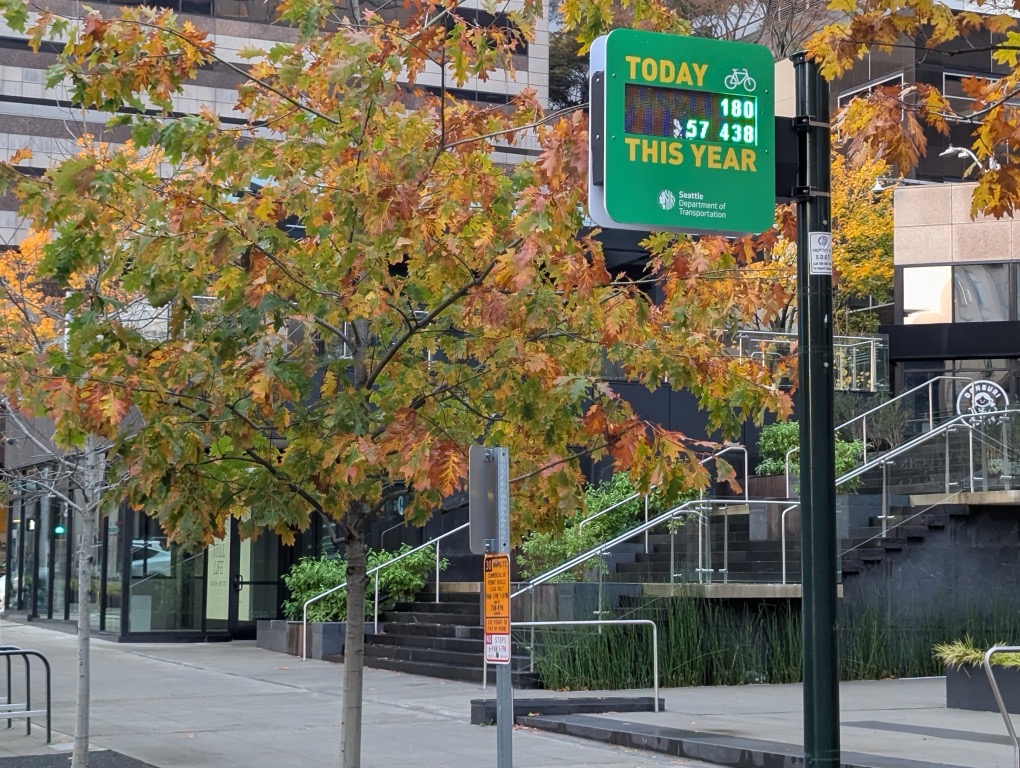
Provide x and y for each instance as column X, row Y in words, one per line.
column 446, row 606
column 458, row 644
column 467, row 660
column 432, row 630
column 447, row 672
column 430, row 617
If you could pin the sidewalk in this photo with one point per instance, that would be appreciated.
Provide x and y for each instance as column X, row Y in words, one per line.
column 231, row 704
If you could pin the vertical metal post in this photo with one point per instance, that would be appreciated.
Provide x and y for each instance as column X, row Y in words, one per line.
column 864, row 437
column 376, row 629
column 646, row 522
column 885, row 499
column 504, row 687
column 947, row 460
column 437, row 572
column 726, row 546
column 817, row 450
column 672, row 555
column 874, row 366
column 970, row 458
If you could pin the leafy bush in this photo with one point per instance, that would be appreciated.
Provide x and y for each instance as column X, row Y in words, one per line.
column 541, row 552
column 778, row 439
column 398, row 582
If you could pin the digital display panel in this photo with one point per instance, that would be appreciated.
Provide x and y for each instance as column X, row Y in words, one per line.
column 693, row 115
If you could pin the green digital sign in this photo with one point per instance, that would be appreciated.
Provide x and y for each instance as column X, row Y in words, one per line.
column 682, row 134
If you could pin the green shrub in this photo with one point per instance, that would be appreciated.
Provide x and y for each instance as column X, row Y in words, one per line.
column 778, row 439
column 543, row 551
column 398, row 583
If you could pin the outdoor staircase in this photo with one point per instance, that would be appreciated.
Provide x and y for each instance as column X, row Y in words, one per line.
column 749, row 562
column 906, row 527
column 441, row 640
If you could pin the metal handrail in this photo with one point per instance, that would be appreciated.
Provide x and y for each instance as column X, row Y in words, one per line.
column 374, row 571
column 931, row 410
column 864, row 429
column 946, row 426
column 782, row 526
column 725, row 449
column 998, row 696
column 603, row 622
column 599, row 514
column 579, row 559
column 692, row 507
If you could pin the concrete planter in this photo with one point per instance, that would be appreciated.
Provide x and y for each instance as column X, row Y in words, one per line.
column 967, row 688
column 324, row 638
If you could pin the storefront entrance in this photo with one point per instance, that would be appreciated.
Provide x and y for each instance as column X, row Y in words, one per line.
column 243, row 584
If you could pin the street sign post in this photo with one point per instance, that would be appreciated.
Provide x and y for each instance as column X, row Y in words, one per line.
column 496, row 585
column 483, row 512
column 682, row 134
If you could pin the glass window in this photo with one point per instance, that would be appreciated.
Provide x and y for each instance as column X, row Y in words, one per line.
column 927, row 296
column 980, row 293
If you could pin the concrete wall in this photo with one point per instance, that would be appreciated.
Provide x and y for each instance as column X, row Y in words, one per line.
column 933, row 225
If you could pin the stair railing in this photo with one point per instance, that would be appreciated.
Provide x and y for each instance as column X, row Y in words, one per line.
column 722, row 451
column 987, row 664
column 959, row 422
column 782, row 534
column 374, row 572
column 863, row 418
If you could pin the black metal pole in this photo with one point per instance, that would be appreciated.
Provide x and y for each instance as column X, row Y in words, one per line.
column 817, row 451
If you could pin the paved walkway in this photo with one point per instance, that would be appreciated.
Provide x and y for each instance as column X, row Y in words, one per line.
column 231, row 704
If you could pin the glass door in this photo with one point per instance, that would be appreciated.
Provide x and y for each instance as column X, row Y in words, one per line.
column 254, row 581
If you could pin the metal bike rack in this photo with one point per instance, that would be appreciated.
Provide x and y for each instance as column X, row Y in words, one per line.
column 10, row 709
column 998, row 696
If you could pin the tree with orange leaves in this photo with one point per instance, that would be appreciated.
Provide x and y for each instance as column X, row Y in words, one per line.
column 428, row 299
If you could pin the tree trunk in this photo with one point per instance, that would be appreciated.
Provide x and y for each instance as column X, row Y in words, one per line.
column 86, row 538
column 354, row 642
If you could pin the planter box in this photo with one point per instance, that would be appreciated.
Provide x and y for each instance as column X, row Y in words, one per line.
column 967, row 688
column 324, row 638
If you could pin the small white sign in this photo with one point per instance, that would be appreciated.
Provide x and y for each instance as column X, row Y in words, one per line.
column 820, row 248
column 497, row 649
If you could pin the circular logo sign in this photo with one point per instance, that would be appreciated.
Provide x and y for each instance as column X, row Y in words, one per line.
column 667, row 200
column 981, row 397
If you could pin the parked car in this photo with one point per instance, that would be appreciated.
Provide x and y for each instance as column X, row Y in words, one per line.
column 150, row 558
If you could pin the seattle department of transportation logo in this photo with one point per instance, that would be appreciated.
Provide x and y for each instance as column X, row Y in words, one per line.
column 667, row 200
column 981, row 397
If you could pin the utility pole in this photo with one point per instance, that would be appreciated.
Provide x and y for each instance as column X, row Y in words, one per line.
column 817, row 449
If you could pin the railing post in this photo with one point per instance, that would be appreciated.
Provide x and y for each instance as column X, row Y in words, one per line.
column 970, row 451
column 726, row 544
column 864, row 437
column 672, row 555
column 874, row 364
column 377, row 602
column 437, row 572
column 947, row 460
column 885, row 499
column 646, row 522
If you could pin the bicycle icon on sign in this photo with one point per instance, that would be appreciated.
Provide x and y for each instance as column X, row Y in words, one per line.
column 740, row 77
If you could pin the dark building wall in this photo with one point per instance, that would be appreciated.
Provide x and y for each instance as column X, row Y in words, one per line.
column 969, row 566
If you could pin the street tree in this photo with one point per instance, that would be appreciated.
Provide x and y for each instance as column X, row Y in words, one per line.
column 78, row 481
column 892, row 122
column 346, row 291
column 862, row 241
